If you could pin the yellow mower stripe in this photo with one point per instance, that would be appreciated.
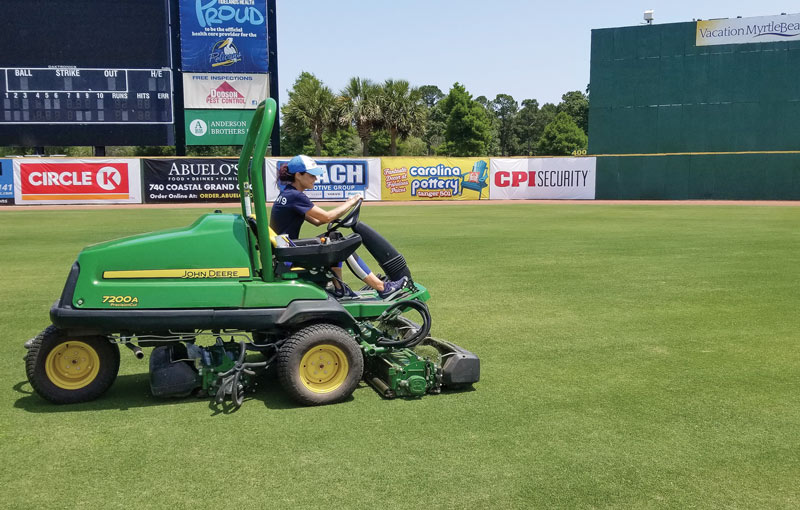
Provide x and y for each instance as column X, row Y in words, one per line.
column 193, row 273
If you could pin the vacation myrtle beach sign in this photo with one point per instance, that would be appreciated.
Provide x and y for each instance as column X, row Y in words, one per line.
column 224, row 36
column 748, row 30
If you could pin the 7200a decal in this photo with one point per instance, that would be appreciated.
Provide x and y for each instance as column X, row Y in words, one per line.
column 121, row 300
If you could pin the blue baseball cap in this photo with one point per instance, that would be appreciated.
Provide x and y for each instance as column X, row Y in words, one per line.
column 305, row 164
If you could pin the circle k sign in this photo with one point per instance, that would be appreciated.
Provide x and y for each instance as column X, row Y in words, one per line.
column 77, row 180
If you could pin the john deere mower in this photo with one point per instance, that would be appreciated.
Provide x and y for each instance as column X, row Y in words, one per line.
column 204, row 296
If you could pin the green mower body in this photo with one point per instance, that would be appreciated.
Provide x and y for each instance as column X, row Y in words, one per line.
column 221, row 277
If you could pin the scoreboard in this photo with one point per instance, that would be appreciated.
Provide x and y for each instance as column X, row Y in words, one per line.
column 71, row 95
column 86, row 72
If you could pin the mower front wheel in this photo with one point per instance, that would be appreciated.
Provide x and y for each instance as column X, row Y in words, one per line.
column 67, row 370
column 320, row 364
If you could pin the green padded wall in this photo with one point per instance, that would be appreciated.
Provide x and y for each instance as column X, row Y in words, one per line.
column 653, row 91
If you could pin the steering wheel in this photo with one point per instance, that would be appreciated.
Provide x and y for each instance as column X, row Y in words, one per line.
column 350, row 220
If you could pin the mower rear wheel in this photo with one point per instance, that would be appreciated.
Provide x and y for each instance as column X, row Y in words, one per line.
column 320, row 364
column 68, row 370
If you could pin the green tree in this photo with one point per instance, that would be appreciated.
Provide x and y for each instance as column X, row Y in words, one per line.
column 561, row 137
column 379, row 142
column 468, row 127
column 526, row 126
column 505, row 110
column 413, row 146
column 341, row 142
column 576, row 104
column 431, row 94
column 358, row 106
column 310, row 103
column 402, row 110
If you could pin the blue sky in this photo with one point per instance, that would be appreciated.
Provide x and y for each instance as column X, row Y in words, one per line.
column 529, row 49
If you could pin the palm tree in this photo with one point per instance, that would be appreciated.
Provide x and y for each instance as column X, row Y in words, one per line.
column 402, row 109
column 311, row 104
column 358, row 106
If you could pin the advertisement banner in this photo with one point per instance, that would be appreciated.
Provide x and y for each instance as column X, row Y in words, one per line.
column 434, row 178
column 190, row 180
column 224, row 91
column 343, row 178
column 748, row 30
column 543, row 178
column 77, row 181
column 227, row 36
column 217, row 127
column 6, row 182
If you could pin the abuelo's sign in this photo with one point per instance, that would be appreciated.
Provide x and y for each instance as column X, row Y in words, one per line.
column 544, row 178
column 190, row 180
column 77, row 181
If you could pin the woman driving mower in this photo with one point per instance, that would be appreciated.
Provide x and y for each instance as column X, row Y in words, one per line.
column 292, row 207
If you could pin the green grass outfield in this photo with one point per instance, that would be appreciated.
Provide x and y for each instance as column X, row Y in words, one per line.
column 632, row 357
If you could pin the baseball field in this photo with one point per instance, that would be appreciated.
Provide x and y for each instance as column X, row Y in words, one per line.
column 633, row 356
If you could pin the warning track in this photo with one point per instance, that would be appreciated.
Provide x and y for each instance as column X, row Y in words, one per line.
column 235, row 205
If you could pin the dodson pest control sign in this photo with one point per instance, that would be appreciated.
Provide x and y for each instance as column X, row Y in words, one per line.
column 71, row 181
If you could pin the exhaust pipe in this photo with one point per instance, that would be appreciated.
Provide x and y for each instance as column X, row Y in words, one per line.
column 387, row 256
column 137, row 351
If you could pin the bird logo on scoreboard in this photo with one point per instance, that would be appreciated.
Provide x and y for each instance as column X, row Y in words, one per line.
column 224, row 53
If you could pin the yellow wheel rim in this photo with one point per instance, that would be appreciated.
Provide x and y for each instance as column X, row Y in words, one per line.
column 323, row 368
column 72, row 365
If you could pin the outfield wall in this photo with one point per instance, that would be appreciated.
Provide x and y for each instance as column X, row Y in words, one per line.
column 757, row 176
column 36, row 181
column 708, row 103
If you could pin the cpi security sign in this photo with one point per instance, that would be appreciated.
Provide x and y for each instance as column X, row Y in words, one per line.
column 65, row 181
column 543, row 178
column 748, row 30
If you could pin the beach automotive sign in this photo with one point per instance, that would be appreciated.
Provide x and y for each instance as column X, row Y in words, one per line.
column 71, row 181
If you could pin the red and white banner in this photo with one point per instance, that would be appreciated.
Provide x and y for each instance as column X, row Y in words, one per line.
column 543, row 178
column 224, row 91
column 77, row 181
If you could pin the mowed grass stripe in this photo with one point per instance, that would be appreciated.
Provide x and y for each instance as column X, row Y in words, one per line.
column 632, row 356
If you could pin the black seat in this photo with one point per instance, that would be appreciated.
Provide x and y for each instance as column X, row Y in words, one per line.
column 313, row 252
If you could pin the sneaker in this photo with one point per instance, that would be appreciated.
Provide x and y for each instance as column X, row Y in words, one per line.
column 344, row 292
column 390, row 289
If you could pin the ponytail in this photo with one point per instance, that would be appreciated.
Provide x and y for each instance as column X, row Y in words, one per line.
column 284, row 175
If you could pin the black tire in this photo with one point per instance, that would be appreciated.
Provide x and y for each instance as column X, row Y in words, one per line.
column 92, row 367
column 331, row 347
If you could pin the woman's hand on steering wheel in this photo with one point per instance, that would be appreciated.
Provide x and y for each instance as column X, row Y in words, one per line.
column 351, row 218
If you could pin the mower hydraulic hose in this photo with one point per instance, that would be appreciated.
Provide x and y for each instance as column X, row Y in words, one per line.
column 137, row 351
column 387, row 256
column 421, row 333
